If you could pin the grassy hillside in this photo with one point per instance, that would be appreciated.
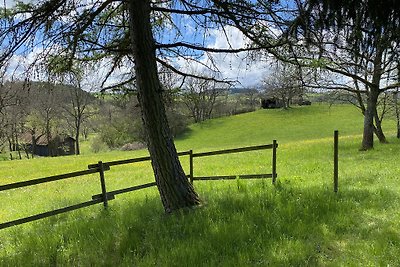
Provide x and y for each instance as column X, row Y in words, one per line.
column 297, row 124
column 298, row 222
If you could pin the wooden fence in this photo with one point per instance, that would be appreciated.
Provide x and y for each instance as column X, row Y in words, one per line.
column 105, row 195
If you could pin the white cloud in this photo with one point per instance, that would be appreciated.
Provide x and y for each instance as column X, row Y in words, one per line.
column 22, row 65
column 11, row 3
column 242, row 67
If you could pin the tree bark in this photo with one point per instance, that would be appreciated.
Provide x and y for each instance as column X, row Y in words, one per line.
column 77, row 145
column 374, row 91
column 368, row 133
column 175, row 189
column 396, row 108
column 378, row 129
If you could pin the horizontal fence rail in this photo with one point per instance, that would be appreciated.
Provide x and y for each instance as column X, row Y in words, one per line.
column 234, row 150
column 125, row 190
column 48, row 179
column 50, row 213
column 232, row 177
column 272, row 175
column 128, row 161
column 105, row 195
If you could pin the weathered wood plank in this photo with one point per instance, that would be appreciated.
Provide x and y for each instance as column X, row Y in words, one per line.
column 191, row 166
column 125, row 190
column 50, row 213
column 128, row 161
column 274, row 147
column 232, row 177
column 233, row 150
column 336, row 161
column 103, row 184
column 49, row 179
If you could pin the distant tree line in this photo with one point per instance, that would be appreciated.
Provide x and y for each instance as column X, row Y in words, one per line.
column 42, row 110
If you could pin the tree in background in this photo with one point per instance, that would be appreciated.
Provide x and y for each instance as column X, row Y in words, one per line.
column 200, row 96
column 358, row 42
column 252, row 98
column 284, row 83
column 7, row 100
column 118, row 121
column 76, row 101
column 15, row 108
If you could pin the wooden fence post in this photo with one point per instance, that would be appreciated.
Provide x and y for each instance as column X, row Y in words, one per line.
column 103, row 184
column 274, row 146
column 191, row 166
column 336, row 161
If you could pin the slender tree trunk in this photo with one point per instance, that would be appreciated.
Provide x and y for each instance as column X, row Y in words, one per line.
column 17, row 144
column 33, row 148
column 78, row 130
column 368, row 134
column 9, row 143
column 396, row 108
column 77, row 148
column 398, row 126
column 48, row 138
column 378, row 129
column 175, row 190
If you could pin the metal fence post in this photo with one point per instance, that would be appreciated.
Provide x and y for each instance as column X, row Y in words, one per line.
column 274, row 146
column 336, row 161
column 103, row 184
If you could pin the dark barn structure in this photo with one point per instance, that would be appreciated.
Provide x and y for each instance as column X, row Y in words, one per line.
column 57, row 146
column 269, row 103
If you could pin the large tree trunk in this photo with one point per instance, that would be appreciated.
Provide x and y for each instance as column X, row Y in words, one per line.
column 175, row 190
column 371, row 110
column 368, row 134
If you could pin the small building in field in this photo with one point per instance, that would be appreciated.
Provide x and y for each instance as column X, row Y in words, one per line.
column 269, row 103
column 56, row 146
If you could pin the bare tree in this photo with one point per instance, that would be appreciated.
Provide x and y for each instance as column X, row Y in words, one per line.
column 45, row 112
column 76, row 101
column 252, row 98
column 284, row 83
column 77, row 108
column 200, row 97
column 7, row 99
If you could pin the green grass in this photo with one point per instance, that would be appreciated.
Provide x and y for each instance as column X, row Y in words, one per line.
column 298, row 222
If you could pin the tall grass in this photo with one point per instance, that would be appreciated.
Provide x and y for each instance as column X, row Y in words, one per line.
column 298, row 222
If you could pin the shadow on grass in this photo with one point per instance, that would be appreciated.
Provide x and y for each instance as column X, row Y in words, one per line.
column 185, row 134
column 242, row 224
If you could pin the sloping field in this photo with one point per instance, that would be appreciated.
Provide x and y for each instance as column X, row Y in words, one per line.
column 298, row 222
